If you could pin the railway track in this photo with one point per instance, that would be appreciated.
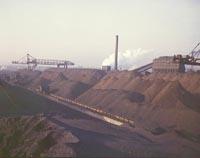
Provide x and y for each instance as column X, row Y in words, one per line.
column 86, row 109
column 95, row 110
column 92, row 111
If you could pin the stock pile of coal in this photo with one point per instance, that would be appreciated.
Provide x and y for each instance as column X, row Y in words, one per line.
column 165, row 107
column 34, row 136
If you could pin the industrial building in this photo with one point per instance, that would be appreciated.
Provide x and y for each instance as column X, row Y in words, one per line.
column 167, row 64
column 106, row 68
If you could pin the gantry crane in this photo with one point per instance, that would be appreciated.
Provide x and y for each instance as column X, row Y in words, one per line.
column 191, row 59
column 33, row 62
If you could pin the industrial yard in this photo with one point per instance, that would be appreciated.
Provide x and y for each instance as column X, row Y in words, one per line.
column 106, row 138
column 106, row 112
column 100, row 79
column 142, row 98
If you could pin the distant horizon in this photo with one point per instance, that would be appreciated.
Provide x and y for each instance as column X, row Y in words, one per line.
column 84, row 31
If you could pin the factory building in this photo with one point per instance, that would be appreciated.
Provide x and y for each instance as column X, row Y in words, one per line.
column 166, row 64
column 106, row 68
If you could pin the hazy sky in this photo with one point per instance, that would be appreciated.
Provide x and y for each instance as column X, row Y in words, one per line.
column 83, row 31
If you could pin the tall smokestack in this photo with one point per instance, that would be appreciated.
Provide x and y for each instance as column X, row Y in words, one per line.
column 116, row 53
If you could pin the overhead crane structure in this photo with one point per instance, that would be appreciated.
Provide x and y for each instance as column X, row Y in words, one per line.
column 192, row 59
column 33, row 62
column 174, row 63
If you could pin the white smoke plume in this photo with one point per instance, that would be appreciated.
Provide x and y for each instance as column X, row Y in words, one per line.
column 3, row 68
column 131, row 59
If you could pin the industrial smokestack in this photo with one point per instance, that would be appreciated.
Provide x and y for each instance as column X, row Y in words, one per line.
column 116, row 53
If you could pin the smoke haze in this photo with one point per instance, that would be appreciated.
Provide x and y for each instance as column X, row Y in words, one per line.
column 83, row 31
column 131, row 59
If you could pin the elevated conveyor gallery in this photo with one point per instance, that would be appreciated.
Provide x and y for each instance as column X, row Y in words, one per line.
column 143, row 68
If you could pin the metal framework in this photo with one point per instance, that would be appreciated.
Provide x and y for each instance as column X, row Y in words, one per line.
column 143, row 68
column 191, row 59
column 33, row 62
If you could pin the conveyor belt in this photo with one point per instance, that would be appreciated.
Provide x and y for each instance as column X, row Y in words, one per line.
column 143, row 68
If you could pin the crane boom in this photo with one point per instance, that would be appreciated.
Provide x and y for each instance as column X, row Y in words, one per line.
column 33, row 62
column 191, row 59
column 193, row 52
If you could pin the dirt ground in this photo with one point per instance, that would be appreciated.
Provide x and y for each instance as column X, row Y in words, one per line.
column 34, row 136
column 165, row 108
